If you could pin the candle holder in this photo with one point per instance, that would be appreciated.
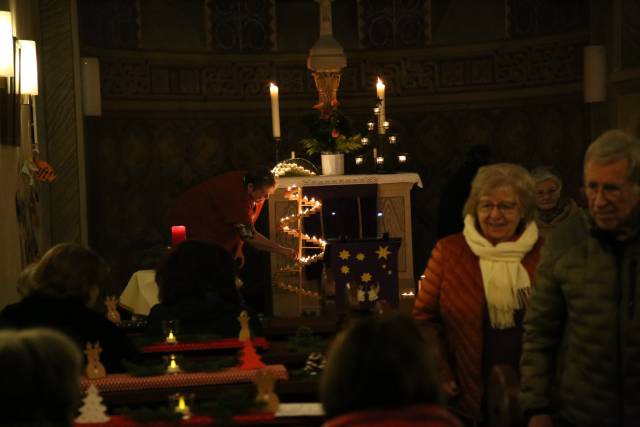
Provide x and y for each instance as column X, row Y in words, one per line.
column 182, row 403
column 170, row 330
column 378, row 154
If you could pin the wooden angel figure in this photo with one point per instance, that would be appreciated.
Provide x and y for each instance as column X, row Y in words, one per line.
column 245, row 332
column 265, row 383
column 95, row 369
column 373, row 292
column 112, row 309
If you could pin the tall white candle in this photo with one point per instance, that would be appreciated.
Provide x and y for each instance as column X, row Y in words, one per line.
column 381, row 116
column 275, row 110
column 380, row 89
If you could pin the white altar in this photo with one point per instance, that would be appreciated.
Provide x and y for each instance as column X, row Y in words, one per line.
column 393, row 206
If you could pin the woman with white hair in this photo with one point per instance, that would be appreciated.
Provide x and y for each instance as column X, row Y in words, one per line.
column 472, row 298
column 552, row 208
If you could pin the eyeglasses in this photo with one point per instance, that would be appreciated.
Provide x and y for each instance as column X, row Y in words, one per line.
column 505, row 208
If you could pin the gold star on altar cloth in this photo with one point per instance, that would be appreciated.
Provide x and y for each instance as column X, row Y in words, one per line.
column 383, row 252
column 365, row 268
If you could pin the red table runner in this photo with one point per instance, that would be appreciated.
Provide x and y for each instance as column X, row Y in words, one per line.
column 125, row 382
column 219, row 344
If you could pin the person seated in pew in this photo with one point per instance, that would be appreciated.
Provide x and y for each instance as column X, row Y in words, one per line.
column 197, row 286
column 380, row 372
column 41, row 376
column 60, row 293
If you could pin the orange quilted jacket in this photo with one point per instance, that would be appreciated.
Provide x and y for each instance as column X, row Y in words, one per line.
column 450, row 305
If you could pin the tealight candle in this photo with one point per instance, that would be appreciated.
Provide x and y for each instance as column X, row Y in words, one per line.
column 392, row 140
column 364, row 140
column 359, row 160
column 385, row 125
column 173, row 365
column 181, row 404
column 171, row 339
column 380, row 160
column 402, row 158
column 370, row 125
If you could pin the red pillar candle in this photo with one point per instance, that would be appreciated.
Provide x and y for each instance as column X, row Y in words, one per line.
column 178, row 234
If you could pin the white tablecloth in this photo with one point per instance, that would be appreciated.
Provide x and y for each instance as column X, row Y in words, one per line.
column 141, row 293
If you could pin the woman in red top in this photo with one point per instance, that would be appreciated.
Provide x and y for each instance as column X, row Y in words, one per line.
column 475, row 287
column 224, row 209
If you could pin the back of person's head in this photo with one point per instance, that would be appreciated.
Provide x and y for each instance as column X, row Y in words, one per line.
column 41, row 376
column 616, row 145
column 70, row 271
column 379, row 362
column 260, row 177
column 25, row 283
column 192, row 269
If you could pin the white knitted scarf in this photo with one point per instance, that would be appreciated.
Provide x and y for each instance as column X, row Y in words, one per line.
column 505, row 280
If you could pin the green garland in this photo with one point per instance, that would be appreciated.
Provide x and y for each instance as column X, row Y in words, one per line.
column 227, row 405
column 145, row 414
column 305, row 342
column 210, row 365
column 230, row 403
column 145, row 340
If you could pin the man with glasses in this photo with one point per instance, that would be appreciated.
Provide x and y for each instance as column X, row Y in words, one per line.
column 581, row 349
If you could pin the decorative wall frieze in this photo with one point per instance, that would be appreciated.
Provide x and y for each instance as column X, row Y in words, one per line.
column 508, row 65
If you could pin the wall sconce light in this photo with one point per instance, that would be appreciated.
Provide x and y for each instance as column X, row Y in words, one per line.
column 91, row 98
column 27, row 67
column 595, row 73
column 6, row 44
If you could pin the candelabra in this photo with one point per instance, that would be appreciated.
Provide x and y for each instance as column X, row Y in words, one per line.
column 380, row 152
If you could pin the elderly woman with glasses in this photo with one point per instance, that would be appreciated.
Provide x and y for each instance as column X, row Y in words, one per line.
column 476, row 284
column 552, row 208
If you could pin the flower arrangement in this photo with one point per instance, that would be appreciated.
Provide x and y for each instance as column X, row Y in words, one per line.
column 333, row 132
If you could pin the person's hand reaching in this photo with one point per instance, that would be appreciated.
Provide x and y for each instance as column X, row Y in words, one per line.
column 289, row 253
